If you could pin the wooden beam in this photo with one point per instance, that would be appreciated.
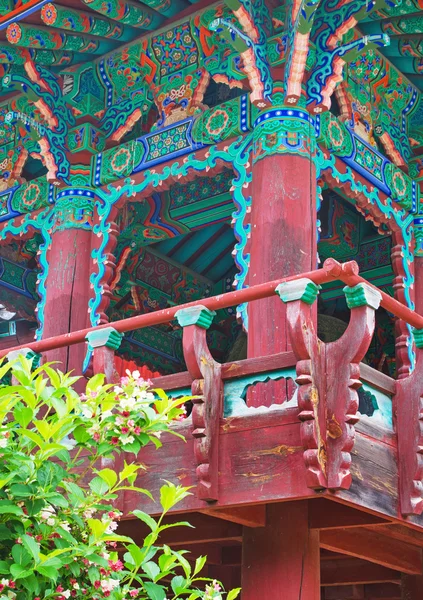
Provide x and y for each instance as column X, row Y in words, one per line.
column 204, row 530
column 353, row 571
column 326, row 514
column 412, row 587
column 402, row 533
column 374, row 547
column 250, row 516
column 384, row 591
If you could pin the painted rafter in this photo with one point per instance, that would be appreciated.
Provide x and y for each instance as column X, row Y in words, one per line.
column 29, row 36
column 54, row 15
column 127, row 12
column 20, row 13
column 19, row 56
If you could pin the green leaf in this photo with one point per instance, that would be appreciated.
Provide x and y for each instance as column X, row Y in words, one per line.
column 199, row 564
column 95, row 382
column 146, row 519
column 154, row 591
column 10, row 509
column 109, row 476
column 97, row 527
column 19, row 572
column 99, row 486
column 4, row 567
column 33, row 437
column 233, row 594
column 81, row 435
column 31, row 545
column 49, row 572
column 20, row 555
column 136, row 553
column 151, row 569
column 178, row 584
column 44, row 428
column 23, row 415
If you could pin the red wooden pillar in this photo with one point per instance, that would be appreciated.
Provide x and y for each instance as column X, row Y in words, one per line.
column 283, row 225
column 281, row 561
column 412, row 587
column 68, row 292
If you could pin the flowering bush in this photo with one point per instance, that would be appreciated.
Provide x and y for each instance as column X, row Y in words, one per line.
column 58, row 524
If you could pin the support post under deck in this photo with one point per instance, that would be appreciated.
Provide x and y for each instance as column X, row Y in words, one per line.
column 281, row 561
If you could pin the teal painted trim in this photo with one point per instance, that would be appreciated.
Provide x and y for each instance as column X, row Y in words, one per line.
column 362, row 294
column 299, row 289
column 383, row 412
column 108, row 337
column 418, row 338
column 235, row 391
column 195, row 315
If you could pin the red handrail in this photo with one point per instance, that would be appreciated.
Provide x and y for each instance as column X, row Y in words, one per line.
column 332, row 271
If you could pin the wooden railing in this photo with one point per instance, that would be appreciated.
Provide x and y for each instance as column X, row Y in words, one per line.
column 327, row 375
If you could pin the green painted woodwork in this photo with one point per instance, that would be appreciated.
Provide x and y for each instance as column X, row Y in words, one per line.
column 362, row 294
column 197, row 315
column 108, row 337
column 298, row 289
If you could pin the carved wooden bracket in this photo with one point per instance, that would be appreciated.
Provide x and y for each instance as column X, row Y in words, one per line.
column 207, row 385
column 104, row 342
column 328, row 376
column 408, row 409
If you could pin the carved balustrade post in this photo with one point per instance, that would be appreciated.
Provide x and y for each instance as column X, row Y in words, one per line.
column 328, row 376
column 207, row 386
column 104, row 342
column 408, row 411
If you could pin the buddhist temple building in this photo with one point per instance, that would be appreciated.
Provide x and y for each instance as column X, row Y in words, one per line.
column 227, row 197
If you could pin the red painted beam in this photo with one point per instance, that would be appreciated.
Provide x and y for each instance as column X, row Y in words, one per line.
column 332, row 271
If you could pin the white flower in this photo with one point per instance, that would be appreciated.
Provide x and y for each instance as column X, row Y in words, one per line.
column 65, row 525
column 112, row 526
column 5, row 582
column 128, row 403
column 117, row 389
column 127, row 439
column 76, row 586
column 86, row 411
column 106, row 413
column 136, row 374
column 66, row 593
column 88, row 514
column 107, row 585
column 51, row 522
column 47, row 512
column 94, row 429
column 3, row 443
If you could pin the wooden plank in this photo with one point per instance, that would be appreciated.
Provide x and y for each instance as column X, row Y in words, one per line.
column 374, row 547
column 377, row 379
column 232, row 370
column 381, row 591
column 326, row 514
column 250, row 516
column 353, row 571
column 402, row 533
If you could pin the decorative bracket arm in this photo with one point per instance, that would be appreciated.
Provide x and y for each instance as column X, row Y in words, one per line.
column 104, row 342
column 408, row 409
column 328, row 376
column 207, row 386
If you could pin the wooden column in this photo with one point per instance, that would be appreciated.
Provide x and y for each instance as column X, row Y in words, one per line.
column 68, row 292
column 281, row 561
column 412, row 587
column 283, row 226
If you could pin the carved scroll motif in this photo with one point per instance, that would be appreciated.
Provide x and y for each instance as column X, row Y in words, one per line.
column 208, row 405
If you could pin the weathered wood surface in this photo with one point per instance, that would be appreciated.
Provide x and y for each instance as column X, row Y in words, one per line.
column 68, row 292
column 260, row 460
column 374, row 546
column 282, row 560
column 284, row 208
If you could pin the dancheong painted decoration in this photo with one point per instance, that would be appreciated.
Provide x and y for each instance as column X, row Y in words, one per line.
column 228, row 196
